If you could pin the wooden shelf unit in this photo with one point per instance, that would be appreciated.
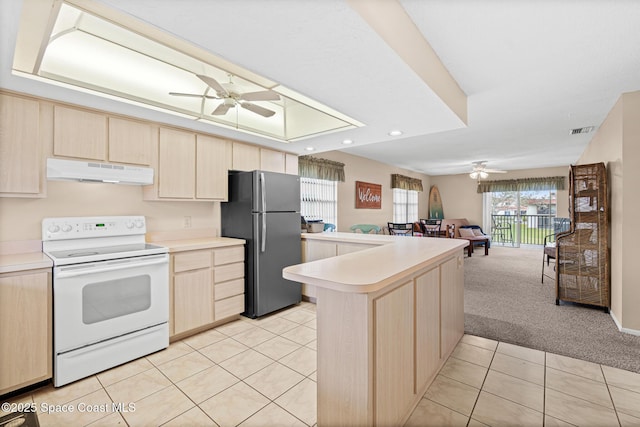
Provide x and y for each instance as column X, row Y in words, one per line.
column 583, row 266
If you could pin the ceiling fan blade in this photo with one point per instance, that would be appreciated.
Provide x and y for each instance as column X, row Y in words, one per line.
column 222, row 109
column 494, row 171
column 264, row 95
column 258, row 109
column 213, row 84
column 193, row 95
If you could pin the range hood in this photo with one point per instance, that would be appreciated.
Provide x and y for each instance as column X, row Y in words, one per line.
column 74, row 170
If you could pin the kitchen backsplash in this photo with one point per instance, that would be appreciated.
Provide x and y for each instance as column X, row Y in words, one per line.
column 21, row 218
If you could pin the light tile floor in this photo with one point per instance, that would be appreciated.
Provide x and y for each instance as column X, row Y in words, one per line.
column 263, row 373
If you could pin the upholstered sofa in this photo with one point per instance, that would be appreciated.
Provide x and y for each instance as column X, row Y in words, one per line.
column 462, row 223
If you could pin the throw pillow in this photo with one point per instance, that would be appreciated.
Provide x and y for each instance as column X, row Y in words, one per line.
column 477, row 232
column 466, row 232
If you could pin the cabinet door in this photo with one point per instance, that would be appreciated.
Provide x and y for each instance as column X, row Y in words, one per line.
column 130, row 141
column 78, row 133
column 451, row 304
column 291, row 164
column 245, row 157
column 20, row 146
column 192, row 300
column 272, row 160
column 25, row 330
column 176, row 164
column 427, row 326
column 211, row 168
column 394, row 355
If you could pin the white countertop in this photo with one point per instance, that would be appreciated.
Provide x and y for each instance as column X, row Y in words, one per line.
column 371, row 239
column 372, row 269
column 198, row 243
column 10, row 263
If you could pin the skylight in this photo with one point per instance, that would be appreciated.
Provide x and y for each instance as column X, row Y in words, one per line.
column 85, row 50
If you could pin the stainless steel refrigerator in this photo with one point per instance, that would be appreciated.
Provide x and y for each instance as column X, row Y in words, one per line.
column 264, row 209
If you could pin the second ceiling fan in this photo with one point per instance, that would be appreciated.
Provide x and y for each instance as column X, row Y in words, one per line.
column 231, row 97
column 480, row 170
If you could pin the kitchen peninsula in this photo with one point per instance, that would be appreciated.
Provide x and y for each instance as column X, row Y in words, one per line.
column 388, row 317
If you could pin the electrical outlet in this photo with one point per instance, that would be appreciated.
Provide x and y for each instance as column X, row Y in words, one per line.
column 187, row 222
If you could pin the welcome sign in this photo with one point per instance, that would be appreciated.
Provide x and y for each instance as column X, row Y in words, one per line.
column 368, row 196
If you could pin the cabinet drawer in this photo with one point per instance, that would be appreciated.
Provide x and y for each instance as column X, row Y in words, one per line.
column 229, row 307
column 191, row 261
column 228, row 255
column 229, row 289
column 228, row 272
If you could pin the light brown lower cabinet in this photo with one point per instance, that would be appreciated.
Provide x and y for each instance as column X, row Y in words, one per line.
column 427, row 326
column 394, row 354
column 374, row 372
column 207, row 286
column 193, row 296
column 25, row 329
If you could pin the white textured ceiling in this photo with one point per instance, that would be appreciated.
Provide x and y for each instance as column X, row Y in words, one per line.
column 532, row 70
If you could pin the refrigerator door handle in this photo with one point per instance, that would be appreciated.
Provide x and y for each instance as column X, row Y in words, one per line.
column 263, row 240
column 263, row 192
column 263, row 196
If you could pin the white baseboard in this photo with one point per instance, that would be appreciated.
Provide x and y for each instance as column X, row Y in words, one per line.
column 620, row 328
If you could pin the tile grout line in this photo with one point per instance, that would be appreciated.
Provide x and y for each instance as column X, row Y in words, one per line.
column 273, row 362
column 615, row 409
column 544, row 391
column 482, row 385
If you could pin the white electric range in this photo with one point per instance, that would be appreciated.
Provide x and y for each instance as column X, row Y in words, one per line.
column 110, row 293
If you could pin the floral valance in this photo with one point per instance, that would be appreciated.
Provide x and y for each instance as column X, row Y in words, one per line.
column 406, row 182
column 312, row 167
column 523, row 184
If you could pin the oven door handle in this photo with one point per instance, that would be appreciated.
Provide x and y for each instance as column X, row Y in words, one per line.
column 75, row 271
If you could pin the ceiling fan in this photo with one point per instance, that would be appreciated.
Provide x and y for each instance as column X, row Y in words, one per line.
column 480, row 170
column 228, row 93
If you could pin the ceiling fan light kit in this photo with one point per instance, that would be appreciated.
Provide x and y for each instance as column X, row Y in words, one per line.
column 479, row 170
column 480, row 174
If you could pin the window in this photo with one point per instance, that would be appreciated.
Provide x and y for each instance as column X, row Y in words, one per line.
column 405, row 205
column 522, row 217
column 319, row 200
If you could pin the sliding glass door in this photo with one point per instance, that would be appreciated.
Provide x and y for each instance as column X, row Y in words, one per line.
column 521, row 217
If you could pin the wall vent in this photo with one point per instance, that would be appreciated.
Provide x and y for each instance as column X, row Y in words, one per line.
column 581, row 130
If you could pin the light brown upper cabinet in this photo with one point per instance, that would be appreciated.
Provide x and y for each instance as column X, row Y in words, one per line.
column 21, row 145
column 271, row 160
column 212, row 167
column 130, row 141
column 176, row 164
column 190, row 167
column 78, row 133
column 245, row 157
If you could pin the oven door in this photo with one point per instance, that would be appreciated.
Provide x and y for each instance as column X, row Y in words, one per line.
column 101, row 300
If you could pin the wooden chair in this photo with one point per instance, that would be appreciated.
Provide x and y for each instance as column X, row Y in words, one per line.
column 365, row 228
column 400, row 229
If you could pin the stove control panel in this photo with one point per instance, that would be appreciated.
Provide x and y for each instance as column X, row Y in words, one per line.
column 88, row 227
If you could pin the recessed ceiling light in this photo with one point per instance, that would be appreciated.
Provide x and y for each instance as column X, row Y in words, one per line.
column 347, row 141
column 395, row 133
column 309, row 148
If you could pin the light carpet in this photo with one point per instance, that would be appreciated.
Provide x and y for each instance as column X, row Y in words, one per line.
column 505, row 301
